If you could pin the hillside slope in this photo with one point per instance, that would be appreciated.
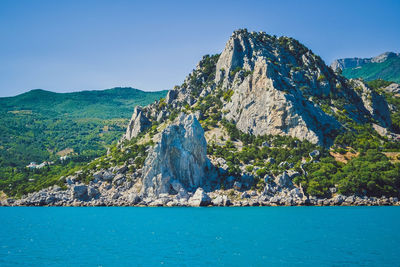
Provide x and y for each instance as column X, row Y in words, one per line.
column 41, row 126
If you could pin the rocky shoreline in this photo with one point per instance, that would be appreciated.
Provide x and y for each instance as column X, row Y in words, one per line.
column 75, row 197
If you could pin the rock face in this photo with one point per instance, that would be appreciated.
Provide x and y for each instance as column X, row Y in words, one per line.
column 138, row 123
column 179, row 159
column 278, row 87
column 266, row 88
column 394, row 88
column 374, row 103
column 273, row 86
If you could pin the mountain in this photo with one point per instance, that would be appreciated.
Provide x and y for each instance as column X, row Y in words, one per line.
column 40, row 126
column 385, row 66
column 266, row 122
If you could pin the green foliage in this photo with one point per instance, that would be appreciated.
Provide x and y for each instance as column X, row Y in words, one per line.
column 371, row 174
column 21, row 182
column 203, row 77
column 228, row 94
column 261, row 172
column 321, row 78
column 233, row 72
column 249, row 168
column 379, row 83
column 38, row 124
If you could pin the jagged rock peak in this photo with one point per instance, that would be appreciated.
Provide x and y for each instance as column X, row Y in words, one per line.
column 178, row 160
column 244, row 48
column 138, row 123
column 272, row 80
column 272, row 86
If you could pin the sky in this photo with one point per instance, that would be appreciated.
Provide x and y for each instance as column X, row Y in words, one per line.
column 69, row 45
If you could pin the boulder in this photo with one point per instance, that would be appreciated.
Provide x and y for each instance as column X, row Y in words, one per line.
column 221, row 201
column 98, row 175
column 119, row 179
column 80, row 192
column 121, row 169
column 108, row 176
column 245, row 195
column 92, row 192
column 182, row 194
column 134, row 199
column 283, row 180
column 200, row 198
column 237, row 185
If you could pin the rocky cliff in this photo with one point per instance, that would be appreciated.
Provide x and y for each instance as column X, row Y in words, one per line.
column 138, row 123
column 178, row 161
column 277, row 86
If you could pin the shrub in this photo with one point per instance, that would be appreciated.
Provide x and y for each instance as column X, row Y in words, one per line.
column 249, row 168
column 321, row 78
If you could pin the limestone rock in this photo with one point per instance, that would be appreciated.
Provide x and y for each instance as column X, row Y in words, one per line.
column 283, row 180
column 108, row 176
column 374, row 103
column 80, row 192
column 200, row 198
column 268, row 100
column 277, row 86
column 92, row 192
column 134, row 199
column 180, row 156
column 138, row 123
column 393, row 88
column 221, row 201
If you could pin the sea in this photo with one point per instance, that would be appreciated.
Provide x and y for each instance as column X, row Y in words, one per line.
column 215, row 236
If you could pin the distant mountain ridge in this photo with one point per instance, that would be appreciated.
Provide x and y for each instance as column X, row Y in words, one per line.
column 94, row 103
column 385, row 66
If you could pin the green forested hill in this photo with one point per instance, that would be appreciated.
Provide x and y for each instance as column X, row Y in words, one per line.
column 40, row 125
column 388, row 70
column 104, row 104
column 385, row 66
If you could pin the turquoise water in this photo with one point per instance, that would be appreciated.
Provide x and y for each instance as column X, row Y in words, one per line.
column 253, row 236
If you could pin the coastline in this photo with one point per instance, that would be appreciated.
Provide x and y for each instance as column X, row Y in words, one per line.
column 216, row 200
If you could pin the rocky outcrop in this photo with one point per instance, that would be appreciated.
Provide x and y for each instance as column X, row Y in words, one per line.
column 278, row 86
column 393, row 88
column 178, row 160
column 374, row 103
column 266, row 79
column 138, row 123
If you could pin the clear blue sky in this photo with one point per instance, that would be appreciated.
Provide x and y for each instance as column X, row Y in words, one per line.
column 71, row 45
